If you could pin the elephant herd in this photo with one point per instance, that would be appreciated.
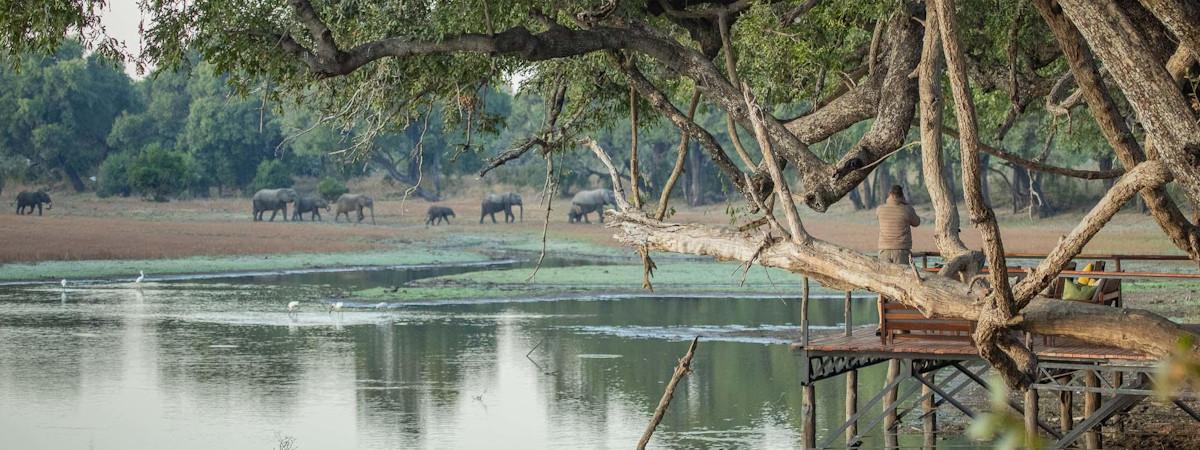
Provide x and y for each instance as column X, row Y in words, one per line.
column 276, row 200
column 584, row 203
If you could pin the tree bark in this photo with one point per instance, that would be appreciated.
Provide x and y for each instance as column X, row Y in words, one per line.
column 1112, row 125
column 1182, row 17
column 1147, row 86
column 946, row 226
column 1010, row 358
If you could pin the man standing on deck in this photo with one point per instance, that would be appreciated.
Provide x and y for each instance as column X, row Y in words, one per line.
column 896, row 219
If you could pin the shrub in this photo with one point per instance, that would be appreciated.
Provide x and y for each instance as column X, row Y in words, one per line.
column 330, row 188
column 113, row 178
column 271, row 174
column 157, row 173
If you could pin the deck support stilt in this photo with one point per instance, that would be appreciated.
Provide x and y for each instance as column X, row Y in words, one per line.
column 1031, row 415
column 1091, row 401
column 1066, row 417
column 929, row 418
column 809, row 401
column 851, row 408
column 889, row 398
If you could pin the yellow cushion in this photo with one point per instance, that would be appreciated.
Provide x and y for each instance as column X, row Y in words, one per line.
column 1085, row 281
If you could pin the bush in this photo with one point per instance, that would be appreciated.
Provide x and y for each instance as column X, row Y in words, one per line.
column 113, row 178
column 330, row 188
column 271, row 174
column 157, row 173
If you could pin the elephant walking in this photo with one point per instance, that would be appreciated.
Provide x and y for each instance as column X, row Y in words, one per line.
column 494, row 203
column 587, row 202
column 354, row 202
column 438, row 213
column 310, row 204
column 26, row 199
column 272, row 200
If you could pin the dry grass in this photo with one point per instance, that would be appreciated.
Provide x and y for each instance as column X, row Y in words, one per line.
column 86, row 227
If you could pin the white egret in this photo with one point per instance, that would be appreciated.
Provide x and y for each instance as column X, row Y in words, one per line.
column 336, row 306
column 381, row 305
column 63, row 283
column 293, row 306
column 141, row 276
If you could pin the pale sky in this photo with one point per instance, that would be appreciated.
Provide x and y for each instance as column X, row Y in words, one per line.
column 120, row 18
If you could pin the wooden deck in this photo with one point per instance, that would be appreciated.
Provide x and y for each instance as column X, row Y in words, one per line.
column 863, row 342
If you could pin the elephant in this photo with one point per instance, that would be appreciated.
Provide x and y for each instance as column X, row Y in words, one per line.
column 494, row 203
column 354, row 202
column 272, row 200
column 593, row 201
column 310, row 204
column 31, row 199
column 436, row 213
column 575, row 214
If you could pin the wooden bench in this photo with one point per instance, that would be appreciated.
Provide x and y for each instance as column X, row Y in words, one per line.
column 899, row 321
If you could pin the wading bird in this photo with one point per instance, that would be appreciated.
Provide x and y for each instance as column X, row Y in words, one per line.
column 141, row 276
column 292, row 307
column 63, row 283
column 381, row 305
column 336, row 306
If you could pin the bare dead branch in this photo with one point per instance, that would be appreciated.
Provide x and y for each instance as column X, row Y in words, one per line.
column 682, row 368
column 612, row 171
column 795, row 227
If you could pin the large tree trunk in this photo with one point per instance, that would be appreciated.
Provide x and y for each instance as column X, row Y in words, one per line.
column 694, row 173
column 1149, row 88
column 72, row 175
column 1113, row 126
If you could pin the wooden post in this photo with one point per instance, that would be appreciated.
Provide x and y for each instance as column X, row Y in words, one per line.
column 851, row 406
column 1031, row 416
column 804, row 313
column 849, row 317
column 889, row 420
column 1091, row 402
column 929, row 427
column 1118, row 380
column 809, row 412
column 1066, row 418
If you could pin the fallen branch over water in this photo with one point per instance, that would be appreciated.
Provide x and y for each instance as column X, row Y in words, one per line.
column 684, row 367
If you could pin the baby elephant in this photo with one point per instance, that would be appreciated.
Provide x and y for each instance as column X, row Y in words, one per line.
column 575, row 214
column 27, row 199
column 310, row 204
column 438, row 213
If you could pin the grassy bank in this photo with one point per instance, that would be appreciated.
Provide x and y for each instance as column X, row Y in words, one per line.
column 672, row 277
column 99, row 269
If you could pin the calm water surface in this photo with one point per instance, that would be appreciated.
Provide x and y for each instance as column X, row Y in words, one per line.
column 196, row 364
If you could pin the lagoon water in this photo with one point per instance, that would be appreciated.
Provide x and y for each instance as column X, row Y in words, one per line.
column 205, row 364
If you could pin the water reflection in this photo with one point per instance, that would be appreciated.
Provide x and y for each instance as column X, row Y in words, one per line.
column 219, row 364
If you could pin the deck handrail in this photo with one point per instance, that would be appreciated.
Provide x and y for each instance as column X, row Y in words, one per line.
column 1099, row 273
column 1104, row 256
